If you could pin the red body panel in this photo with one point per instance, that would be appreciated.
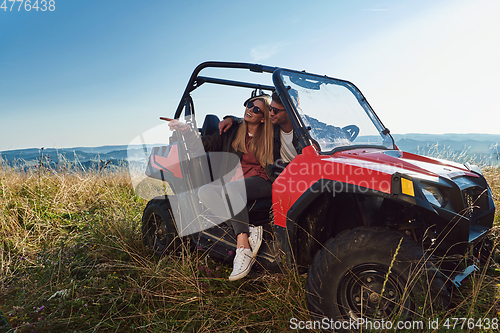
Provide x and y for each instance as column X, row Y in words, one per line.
column 367, row 168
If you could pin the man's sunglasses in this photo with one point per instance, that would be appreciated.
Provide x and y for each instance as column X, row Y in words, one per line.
column 276, row 110
column 253, row 108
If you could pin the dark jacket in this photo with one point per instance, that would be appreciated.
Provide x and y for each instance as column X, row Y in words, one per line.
column 277, row 139
column 273, row 170
column 223, row 143
column 278, row 166
column 277, row 143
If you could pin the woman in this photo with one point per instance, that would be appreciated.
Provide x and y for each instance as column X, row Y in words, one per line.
column 252, row 141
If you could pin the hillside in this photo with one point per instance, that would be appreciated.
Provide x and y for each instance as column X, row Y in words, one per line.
column 85, row 157
column 483, row 148
column 479, row 144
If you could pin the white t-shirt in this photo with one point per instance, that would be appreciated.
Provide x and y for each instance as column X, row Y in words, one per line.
column 287, row 150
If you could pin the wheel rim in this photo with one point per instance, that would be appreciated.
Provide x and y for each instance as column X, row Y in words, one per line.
column 359, row 293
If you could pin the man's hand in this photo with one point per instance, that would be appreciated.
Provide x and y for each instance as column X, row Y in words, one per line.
column 225, row 125
column 174, row 124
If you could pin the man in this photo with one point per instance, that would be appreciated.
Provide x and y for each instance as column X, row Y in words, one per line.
column 285, row 139
column 285, row 145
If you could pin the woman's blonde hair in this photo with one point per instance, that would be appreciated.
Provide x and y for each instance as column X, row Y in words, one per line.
column 261, row 146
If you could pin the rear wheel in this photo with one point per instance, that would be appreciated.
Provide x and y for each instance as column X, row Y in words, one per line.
column 159, row 233
column 349, row 278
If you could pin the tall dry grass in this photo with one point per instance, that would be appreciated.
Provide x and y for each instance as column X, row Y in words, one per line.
column 72, row 260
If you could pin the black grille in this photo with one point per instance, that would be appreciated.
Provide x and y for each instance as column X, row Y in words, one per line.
column 475, row 199
column 469, row 204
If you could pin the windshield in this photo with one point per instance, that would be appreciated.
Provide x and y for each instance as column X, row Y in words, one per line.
column 335, row 110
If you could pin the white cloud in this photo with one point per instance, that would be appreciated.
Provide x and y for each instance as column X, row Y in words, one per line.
column 265, row 51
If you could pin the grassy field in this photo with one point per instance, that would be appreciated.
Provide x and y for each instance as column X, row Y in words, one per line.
column 72, row 260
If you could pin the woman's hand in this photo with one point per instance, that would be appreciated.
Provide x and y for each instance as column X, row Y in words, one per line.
column 174, row 124
column 225, row 125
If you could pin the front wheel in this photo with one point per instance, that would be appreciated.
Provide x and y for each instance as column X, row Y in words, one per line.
column 372, row 273
column 159, row 232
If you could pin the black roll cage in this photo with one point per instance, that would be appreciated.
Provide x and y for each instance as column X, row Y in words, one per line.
column 196, row 81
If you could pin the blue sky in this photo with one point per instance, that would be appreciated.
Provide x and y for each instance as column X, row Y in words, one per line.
column 94, row 73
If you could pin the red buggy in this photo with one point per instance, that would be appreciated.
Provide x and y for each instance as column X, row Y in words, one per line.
column 374, row 227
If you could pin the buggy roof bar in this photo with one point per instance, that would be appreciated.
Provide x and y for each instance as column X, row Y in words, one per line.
column 203, row 79
column 194, row 81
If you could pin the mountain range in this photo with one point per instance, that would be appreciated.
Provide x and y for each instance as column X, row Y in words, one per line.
column 482, row 147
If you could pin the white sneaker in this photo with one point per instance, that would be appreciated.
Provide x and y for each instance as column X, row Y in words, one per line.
column 242, row 263
column 255, row 238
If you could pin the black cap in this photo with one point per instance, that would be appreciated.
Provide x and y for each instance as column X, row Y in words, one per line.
column 256, row 94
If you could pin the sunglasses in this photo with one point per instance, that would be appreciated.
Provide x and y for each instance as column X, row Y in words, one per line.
column 253, row 108
column 276, row 110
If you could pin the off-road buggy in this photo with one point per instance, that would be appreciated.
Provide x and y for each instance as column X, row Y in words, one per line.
column 379, row 231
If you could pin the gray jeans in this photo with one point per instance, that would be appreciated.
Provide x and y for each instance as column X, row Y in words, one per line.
column 212, row 197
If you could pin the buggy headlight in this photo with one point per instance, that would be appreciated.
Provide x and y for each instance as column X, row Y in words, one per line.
column 433, row 195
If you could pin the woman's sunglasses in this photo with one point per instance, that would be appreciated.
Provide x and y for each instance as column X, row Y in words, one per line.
column 253, row 108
